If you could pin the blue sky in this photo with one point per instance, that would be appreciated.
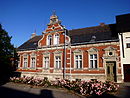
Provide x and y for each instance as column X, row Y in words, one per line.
column 20, row 18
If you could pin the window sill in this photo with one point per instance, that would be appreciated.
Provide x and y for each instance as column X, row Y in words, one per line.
column 32, row 68
column 58, row 69
column 93, row 68
column 46, row 68
column 81, row 69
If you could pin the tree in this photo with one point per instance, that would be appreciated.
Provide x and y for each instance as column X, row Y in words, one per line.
column 7, row 51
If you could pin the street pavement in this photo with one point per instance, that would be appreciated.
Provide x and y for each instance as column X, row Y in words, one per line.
column 12, row 90
column 124, row 90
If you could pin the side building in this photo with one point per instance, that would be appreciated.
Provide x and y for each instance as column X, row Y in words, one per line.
column 123, row 28
column 85, row 53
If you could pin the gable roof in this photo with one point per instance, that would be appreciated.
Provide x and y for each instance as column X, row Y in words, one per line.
column 30, row 44
column 93, row 34
column 83, row 35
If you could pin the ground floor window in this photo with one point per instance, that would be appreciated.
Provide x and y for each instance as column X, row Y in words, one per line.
column 78, row 61
column 25, row 62
column 57, row 62
column 93, row 61
column 33, row 62
column 46, row 62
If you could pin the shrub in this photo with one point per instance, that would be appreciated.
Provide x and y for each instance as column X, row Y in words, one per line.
column 91, row 87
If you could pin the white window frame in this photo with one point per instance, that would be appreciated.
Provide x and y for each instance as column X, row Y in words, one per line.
column 49, row 42
column 93, row 51
column 93, row 59
column 45, row 62
column 78, row 52
column 56, row 39
column 58, row 65
column 25, row 63
column 33, row 63
column 58, row 53
column 19, row 61
column 78, row 61
column 46, row 54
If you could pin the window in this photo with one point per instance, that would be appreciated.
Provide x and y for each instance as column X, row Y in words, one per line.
column 57, row 62
column 78, row 61
column 127, row 45
column 49, row 40
column 110, row 53
column 25, row 61
column 33, row 62
column 93, row 60
column 56, row 39
column 46, row 62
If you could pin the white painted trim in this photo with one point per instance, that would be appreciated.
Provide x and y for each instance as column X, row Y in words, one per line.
column 58, row 54
column 95, row 51
column 33, row 55
column 55, row 39
column 46, row 55
column 40, row 40
column 78, row 52
column 23, row 61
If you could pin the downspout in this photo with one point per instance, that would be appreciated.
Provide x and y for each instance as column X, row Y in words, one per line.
column 64, row 69
column 70, row 64
column 123, row 54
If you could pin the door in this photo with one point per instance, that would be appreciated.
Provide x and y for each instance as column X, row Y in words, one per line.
column 111, row 71
column 126, row 73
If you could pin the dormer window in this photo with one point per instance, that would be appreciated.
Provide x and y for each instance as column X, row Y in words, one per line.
column 56, row 39
column 49, row 40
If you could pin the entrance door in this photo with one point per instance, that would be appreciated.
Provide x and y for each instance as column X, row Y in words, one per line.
column 126, row 73
column 111, row 71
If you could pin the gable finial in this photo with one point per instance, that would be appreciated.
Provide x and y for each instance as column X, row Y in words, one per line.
column 35, row 30
column 54, row 12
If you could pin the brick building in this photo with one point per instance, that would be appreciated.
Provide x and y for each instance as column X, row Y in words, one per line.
column 85, row 53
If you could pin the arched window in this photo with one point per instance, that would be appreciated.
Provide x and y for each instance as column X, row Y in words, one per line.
column 49, row 40
column 56, row 39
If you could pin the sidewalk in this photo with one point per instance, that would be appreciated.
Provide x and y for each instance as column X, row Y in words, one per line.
column 12, row 90
column 124, row 90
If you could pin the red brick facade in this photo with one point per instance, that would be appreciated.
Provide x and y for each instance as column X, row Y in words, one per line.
column 75, row 61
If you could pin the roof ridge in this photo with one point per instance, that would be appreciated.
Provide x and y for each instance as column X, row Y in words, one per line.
column 91, row 27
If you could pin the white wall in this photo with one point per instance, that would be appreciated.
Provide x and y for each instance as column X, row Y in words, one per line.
column 126, row 58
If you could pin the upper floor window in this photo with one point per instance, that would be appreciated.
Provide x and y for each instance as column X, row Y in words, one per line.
column 25, row 61
column 56, row 39
column 49, row 40
column 93, row 60
column 78, row 61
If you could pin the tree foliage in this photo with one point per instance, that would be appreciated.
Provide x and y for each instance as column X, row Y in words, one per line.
column 7, row 52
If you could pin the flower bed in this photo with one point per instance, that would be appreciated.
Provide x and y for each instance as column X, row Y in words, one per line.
column 92, row 87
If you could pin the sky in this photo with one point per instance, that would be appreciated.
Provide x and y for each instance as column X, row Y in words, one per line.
column 20, row 18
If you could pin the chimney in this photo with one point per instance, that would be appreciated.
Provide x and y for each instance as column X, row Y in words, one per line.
column 33, row 34
column 102, row 24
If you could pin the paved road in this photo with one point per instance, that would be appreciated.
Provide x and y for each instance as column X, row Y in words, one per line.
column 124, row 91
column 11, row 90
